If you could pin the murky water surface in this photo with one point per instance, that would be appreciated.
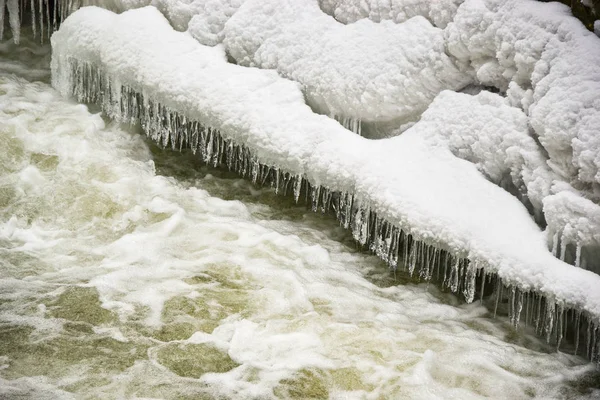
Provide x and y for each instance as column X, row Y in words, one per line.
column 127, row 271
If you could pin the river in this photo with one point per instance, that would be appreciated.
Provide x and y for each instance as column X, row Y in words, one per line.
column 129, row 271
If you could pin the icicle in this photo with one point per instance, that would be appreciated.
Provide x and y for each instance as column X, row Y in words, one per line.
column 13, row 19
column 555, row 245
column 559, row 325
column 424, row 262
column 326, row 200
column 407, row 247
column 513, row 292
column 412, row 257
column 307, row 191
column 349, row 203
column 527, row 305
column 277, row 177
column 218, row 146
column 550, row 310
column 54, row 16
column 447, row 262
column 255, row 171
column 297, row 187
column 315, row 196
column 287, row 178
column 499, row 287
column 517, row 306
column 33, row 24
column 577, row 327
column 454, row 272
column 376, row 242
column 482, row 289
column 589, row 339
column 41, row 10
column 578, row 255
column 2, row 11
column 471, row 274
column 208, row 146
column 360, row 228
column 394, row 245
column 538, row 314
column 435, row 261
column 563, row 248
column 49, row 25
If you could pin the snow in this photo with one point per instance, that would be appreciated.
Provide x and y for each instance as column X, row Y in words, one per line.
column 438, row 12
column 414, row 180
column 538, row 53
column 365, row 71
column 548, row 65
column 485, row 130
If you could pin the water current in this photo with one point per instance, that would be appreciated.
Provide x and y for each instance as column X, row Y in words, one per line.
column 128, row 271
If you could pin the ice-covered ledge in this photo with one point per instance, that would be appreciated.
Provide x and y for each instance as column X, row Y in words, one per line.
column 414, row 203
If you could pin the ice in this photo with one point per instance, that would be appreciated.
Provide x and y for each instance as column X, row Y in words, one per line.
column 14, row 21
column 438, row 12
column 364, row 71
column 447, row 220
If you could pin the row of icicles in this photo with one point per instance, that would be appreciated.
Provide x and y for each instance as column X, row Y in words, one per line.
column 392, row 243
column 46, row 16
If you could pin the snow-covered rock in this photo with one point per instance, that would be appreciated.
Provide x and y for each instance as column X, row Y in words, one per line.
column 485, row 130
column 365, row 71
column 549, row 64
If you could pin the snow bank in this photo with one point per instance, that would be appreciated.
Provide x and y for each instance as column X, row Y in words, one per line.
column 549, row 66
column 407, row 192
column 485, row 130
column 365, row 71
column 438, row 12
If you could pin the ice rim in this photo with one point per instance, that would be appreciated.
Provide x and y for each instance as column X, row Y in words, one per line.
column 560, row 301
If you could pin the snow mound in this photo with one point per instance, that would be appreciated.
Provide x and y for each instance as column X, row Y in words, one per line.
column 438, row 12
column 365, row 71
column 411, row 181
column 485, row 130
column 550, row 66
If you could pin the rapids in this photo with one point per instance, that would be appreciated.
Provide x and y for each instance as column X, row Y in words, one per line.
column 129, row 271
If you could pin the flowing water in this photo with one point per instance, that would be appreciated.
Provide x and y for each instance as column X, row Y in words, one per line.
column 127, row 271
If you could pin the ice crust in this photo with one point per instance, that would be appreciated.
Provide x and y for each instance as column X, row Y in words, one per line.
column 413, row 181
column 366, row 71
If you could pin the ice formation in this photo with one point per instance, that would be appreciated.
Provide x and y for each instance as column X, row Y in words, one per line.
column 438, row 12
column 365, row 71
column 485, row 130
column 408, row 198
column 547, row 63
column 14, row 19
